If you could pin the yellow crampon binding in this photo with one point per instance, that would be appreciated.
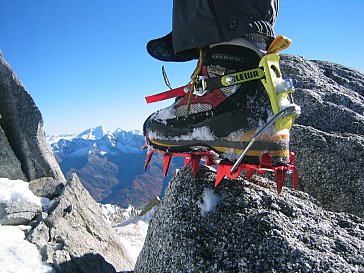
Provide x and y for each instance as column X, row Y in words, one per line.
column 279, row 90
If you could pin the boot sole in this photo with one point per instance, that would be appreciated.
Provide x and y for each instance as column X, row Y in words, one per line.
column 277, row 145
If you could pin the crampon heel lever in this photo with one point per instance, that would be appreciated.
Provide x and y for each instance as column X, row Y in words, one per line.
column 286, row 111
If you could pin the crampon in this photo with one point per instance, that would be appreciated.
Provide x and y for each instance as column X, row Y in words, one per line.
column 226, row 167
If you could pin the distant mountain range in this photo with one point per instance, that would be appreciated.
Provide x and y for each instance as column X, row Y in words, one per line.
column 110, row 165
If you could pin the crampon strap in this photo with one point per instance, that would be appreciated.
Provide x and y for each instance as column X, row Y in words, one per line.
column 180, row 91
column 211, row 84
column 279, row 43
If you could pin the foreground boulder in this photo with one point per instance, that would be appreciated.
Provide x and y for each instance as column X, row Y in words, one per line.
column 242, row 227
column 46, row 187
column 330, row 168
column 329, row 136
column 76, row 237
column 22, row 125
column 18, row 213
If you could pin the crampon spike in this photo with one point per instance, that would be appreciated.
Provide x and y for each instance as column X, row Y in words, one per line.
column 249, row 174
column 147, row 160
column 280, row 174
column 222, row 170
column 295, row 178
column 209, row 161
column 224, row 167
column 187, row 160
column 166, row 162
column 195, row 161
column 145, row 146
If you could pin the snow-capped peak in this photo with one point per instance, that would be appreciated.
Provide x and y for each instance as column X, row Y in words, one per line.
column 106, row 142
column 94, row 133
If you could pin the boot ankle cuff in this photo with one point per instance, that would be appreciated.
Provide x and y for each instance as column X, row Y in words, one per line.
column 231, row 56
column 259, row 40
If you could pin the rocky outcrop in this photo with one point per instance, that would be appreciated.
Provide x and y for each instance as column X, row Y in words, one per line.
column 46, row 187
column 18, row 213
column 330, row 168
column 76, row 237
column 22, row 124
column 242, row 227
column 329, row 135
column 10, row 166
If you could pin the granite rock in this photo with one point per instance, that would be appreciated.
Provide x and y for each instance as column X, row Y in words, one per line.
column 243, row 227
column 22, row 123
column 10, row 166
column 46, row 187
column 18, row 213
column 328, row 138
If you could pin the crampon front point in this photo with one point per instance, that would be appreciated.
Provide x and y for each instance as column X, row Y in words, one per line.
column 225, row 167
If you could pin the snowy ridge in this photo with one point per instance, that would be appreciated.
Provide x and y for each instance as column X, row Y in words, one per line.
column 131, row 227
column 133, row 232
column 57, row 138
column 17, row 254
column 98, row 140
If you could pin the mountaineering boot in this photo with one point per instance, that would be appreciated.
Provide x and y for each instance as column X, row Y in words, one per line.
column 224, row 119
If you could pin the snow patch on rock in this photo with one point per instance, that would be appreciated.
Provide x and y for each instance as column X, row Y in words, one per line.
column 19, row 255
column 18, row 190
column 209, row 201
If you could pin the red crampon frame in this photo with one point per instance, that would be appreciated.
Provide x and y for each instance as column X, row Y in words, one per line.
column 224, row 167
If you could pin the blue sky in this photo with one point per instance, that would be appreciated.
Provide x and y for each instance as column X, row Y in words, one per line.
column 85, row 64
